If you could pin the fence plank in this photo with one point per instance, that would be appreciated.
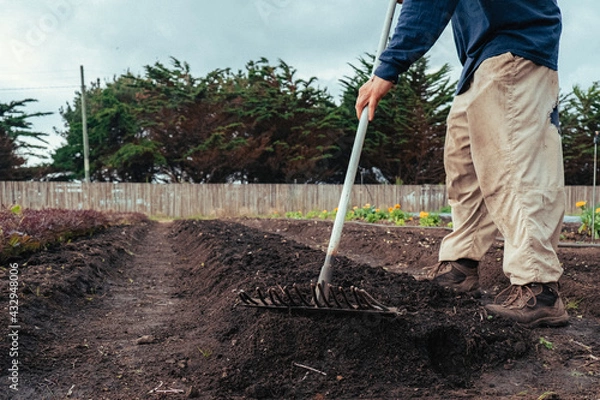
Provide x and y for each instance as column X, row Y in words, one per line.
column 219, row 200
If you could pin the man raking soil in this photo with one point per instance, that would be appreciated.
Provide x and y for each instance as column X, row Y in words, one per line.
column 503, row 156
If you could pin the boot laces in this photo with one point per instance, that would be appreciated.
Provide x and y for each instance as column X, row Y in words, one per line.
column 518, row 297
column 433, row 271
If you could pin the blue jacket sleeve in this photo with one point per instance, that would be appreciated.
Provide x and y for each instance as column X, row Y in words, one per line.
column 419, row 26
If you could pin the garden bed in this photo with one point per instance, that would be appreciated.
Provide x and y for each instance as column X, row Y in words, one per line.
column 150, row 311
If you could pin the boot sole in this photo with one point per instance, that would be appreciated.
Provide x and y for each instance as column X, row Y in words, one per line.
column 552, row 322
column 469, row 286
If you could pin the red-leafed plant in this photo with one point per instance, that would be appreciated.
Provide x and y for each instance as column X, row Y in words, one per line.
column 26, row 230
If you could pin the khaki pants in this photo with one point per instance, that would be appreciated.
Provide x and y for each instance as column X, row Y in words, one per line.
column 504, row 167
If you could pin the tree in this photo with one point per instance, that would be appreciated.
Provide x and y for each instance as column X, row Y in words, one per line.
column 257, row 125
column 112, row 124
column 579, row 120
column 405, row 142
column 17, row 140
column 261, row 124
column 8, row 155
column 175, row 111
column 294, row 125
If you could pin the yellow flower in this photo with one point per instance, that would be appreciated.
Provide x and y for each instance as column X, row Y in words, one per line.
column 397, row 206
column 598, row 210
column 390, row 209
column 355, row 208
column 423, row 214
column 377, row 210
column 324, row 211
column 367, row 205
column 580, row 204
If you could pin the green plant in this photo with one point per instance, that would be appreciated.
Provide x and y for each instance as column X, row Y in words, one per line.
column 205, row 353
column 428, row 220
column 397, row 216
column 312, row 214
column 363, row 212
column 546, row 343
column 446, row 210
column 587, row 214
column 294, row 215
column 376, row 216
column 572, row 304
column 328, row 214
column 367, row 213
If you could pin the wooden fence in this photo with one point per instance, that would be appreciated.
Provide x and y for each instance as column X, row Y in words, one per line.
column 218, row 200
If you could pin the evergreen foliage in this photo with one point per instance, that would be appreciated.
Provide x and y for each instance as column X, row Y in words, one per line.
column 17, row 140
column 263, row 124
column 579, row 120
column 405, row 141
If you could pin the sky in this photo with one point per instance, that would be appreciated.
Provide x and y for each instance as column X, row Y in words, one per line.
column 44, row 43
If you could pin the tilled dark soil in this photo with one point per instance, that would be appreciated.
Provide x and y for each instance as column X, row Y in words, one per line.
column 151, row 312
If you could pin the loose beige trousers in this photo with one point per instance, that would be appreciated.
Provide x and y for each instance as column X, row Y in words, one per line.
column 504, row 167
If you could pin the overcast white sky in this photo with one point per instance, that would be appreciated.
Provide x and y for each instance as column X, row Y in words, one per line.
column 45, row 41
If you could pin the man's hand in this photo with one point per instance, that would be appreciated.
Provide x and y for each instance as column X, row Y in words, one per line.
column 370, row 94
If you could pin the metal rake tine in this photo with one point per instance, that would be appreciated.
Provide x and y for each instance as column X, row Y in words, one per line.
column 371, row 300
column 274, row 301
column 343, row 292
column 334, row 297
column 289, row 296
column 273, row 293
column 325, row 300
column 247, row 299
column 261, row 297
column 365, row 300
column 313, row 288
column 302, row 298
column 357, row 298
column 270, row 293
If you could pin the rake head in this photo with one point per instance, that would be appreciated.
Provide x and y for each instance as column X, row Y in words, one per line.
column 338, row 300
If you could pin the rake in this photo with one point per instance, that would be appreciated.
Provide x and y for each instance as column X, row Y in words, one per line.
column 323, row 296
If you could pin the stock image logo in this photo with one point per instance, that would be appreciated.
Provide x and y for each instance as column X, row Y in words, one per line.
column 39, row 29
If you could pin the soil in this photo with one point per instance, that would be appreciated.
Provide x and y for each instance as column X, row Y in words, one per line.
column 151, row 311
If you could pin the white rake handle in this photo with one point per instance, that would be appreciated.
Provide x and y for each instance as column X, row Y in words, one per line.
column 336, row 232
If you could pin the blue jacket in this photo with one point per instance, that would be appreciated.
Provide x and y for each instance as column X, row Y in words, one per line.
column 482, row 29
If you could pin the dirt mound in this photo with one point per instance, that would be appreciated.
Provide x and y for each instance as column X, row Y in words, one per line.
column 151, row 312
column 441, row 341
column 56, row 286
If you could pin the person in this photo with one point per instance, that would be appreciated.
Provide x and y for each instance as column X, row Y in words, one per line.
column 502, row 154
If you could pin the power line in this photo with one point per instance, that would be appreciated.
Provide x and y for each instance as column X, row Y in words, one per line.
column 22, row 89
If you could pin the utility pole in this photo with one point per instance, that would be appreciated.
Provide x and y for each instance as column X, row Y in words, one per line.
column 86, row 144
column 593, row 209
